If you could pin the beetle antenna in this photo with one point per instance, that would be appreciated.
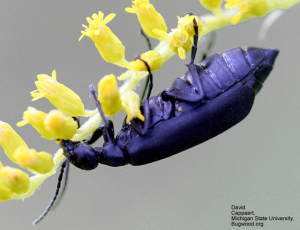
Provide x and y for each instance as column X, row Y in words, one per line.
column 64, row 164
column 60, row 195
column 98, row 106
column 150, row 76
column 66, row 178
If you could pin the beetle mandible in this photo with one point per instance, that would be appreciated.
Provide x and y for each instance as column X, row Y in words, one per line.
column 208, row 99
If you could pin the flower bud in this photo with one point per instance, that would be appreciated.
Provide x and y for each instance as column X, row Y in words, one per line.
column 40, row 162
column 109, row 46
column 109, row 95
column 153, row 59
column 63, row 98
column 15, row 179
column 131, row 106
column 59, row 125
column 187, row 23
column 36, row 118
column 149, row 18
column 10, row 140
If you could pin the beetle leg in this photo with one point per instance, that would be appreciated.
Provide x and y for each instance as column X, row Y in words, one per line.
column 77, row 120
column 147, row 39
column 139, row 126
column 108, row 129
column 150, row 76
column 101, row 131
column 178, row 92
column 194, row 47
column 147, row 81
column 192, row 66
column 182, row 95
column 95, row 135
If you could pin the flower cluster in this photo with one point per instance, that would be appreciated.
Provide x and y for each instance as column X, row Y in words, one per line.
column 13, row 180
column 59, row 123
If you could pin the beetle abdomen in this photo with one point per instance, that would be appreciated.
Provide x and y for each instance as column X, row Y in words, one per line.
column 221, row 71
column 228, row 81
column 193, row 128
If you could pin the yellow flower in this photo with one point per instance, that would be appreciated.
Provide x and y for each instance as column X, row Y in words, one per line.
column 50, row 126
column 212, row 5
column 59, row 95
column 149, row 18
column 109, row 95
column 1, row 165
column 179, row 40
column 109, row 46
column 59, row 125
column 187, row 23
column 10, row 140
column 131, row 105
column 249, row 8
column 153, row 59
column 36, row 118
column 40, row 162
column 15, row 179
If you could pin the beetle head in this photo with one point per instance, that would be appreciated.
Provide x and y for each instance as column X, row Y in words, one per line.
column 81, row 155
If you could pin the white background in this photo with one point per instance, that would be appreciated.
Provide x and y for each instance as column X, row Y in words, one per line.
column 255, row 163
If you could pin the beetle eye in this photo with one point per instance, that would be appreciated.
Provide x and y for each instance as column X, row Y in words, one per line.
column 84, row 157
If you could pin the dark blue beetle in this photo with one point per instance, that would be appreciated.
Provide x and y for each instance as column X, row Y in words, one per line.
column 196, row 108
column 207, row 100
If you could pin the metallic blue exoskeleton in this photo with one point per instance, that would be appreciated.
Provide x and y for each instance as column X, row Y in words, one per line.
column 207, row 100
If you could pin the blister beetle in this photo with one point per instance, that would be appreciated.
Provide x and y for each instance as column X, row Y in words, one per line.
column 208, row 99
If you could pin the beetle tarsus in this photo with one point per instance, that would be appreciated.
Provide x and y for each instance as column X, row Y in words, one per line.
column 194, row 47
